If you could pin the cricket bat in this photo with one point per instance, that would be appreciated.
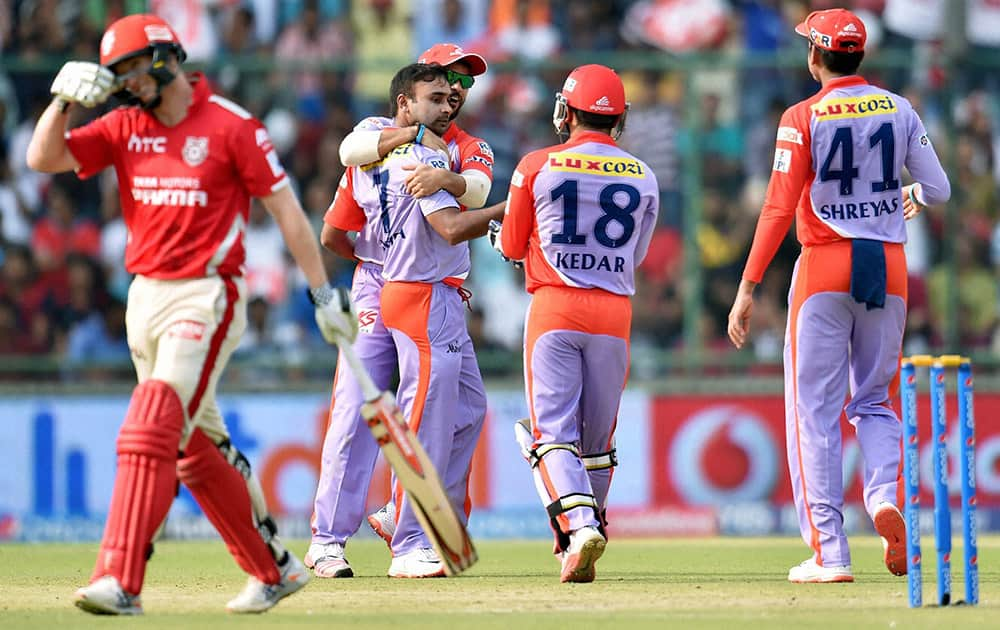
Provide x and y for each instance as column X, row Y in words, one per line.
column 414, row 471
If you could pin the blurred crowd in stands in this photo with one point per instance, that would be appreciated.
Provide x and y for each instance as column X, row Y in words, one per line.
column 62, row 280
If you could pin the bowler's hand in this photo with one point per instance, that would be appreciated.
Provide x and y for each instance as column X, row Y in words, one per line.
column 739, row 315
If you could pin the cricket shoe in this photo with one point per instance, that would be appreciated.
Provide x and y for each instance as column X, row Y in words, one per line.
column 891, row 527
column 586, row 546
column 422, row 563
column 256, row 596
column 105, row 596
column 327, row 561
column 810, row 572
column 383, row 522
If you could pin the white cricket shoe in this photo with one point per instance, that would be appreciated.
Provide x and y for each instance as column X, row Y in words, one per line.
column 810, row 572
column 256, row 597
column 327, row 561
column 105, row 596
column 422, row 563
column 586, row 546
column 383, row 522
column 891, row 527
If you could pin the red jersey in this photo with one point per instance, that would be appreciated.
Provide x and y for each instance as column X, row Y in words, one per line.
column 185, row 190
column 468, row 151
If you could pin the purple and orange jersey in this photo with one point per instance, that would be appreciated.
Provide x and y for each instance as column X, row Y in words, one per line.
column 833, row 189
column 392, row 221
column 466, row 152
column 566, row 239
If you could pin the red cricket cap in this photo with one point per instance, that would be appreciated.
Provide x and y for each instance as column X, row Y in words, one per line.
column 447, row 54
column 838, row 30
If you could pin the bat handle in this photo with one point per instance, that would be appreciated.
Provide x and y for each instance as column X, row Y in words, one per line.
column 368, row 388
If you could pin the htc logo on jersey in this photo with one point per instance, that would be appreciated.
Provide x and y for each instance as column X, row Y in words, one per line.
column 170, row 197
column 585, row 262
column 145, row 144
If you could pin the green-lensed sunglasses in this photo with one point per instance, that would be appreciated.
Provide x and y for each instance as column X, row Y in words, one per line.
column 466, row 80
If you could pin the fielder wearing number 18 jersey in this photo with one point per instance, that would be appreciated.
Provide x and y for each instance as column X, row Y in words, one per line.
column 837, row 172
column 580, row 215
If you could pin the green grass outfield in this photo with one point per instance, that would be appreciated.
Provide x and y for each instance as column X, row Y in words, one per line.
column 683, row 583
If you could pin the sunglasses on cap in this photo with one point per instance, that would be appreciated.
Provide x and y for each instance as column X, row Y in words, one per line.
column 466, row 80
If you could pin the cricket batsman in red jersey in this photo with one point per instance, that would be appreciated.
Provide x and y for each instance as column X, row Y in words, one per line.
column 187, row 163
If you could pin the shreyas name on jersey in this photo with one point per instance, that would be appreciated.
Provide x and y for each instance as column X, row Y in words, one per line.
column 596, row 165
column 585, row 262
column 854, row 107
column 861, row 210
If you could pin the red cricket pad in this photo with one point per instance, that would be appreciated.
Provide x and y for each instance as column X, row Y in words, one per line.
column 222, row 493
column 144, row 483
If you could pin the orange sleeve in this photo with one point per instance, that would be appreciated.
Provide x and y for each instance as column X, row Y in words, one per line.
column 476, row 154
column 344, row 212
column 791, row 172
column 519, row 216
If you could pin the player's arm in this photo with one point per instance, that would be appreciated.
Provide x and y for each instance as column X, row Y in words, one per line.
column 82, row 82
column 344, row 215
column 335, row 314
column 648, row 225
column 47, row 150
column 337, row 241
column 364, row 146
column 298, row 234
column 457, row 227
column 792, row 164
column 519, row 213
column 931, row 186
column 470, row 187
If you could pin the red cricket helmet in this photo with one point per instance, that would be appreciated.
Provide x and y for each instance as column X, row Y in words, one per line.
column 142, row 34
column 594, row 89
column 138, row 35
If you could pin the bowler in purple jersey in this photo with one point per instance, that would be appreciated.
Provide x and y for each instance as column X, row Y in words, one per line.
column 425, row 259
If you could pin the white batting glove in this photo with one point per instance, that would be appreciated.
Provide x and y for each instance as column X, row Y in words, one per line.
column 335, row 314
column 494, row 231
column 83, row 82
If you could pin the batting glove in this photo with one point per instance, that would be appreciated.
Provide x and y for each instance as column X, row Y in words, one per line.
column 335, row 314
column 83, row 82
column 493, row 231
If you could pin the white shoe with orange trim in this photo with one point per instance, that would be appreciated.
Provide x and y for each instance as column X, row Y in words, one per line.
column 810, row 572
column 586, row 546
column 327, row 561
column 891, row 527
column 383, row 522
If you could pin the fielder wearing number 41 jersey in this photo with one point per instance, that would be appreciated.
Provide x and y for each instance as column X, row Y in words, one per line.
column 580, row 215
column 837, row 172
